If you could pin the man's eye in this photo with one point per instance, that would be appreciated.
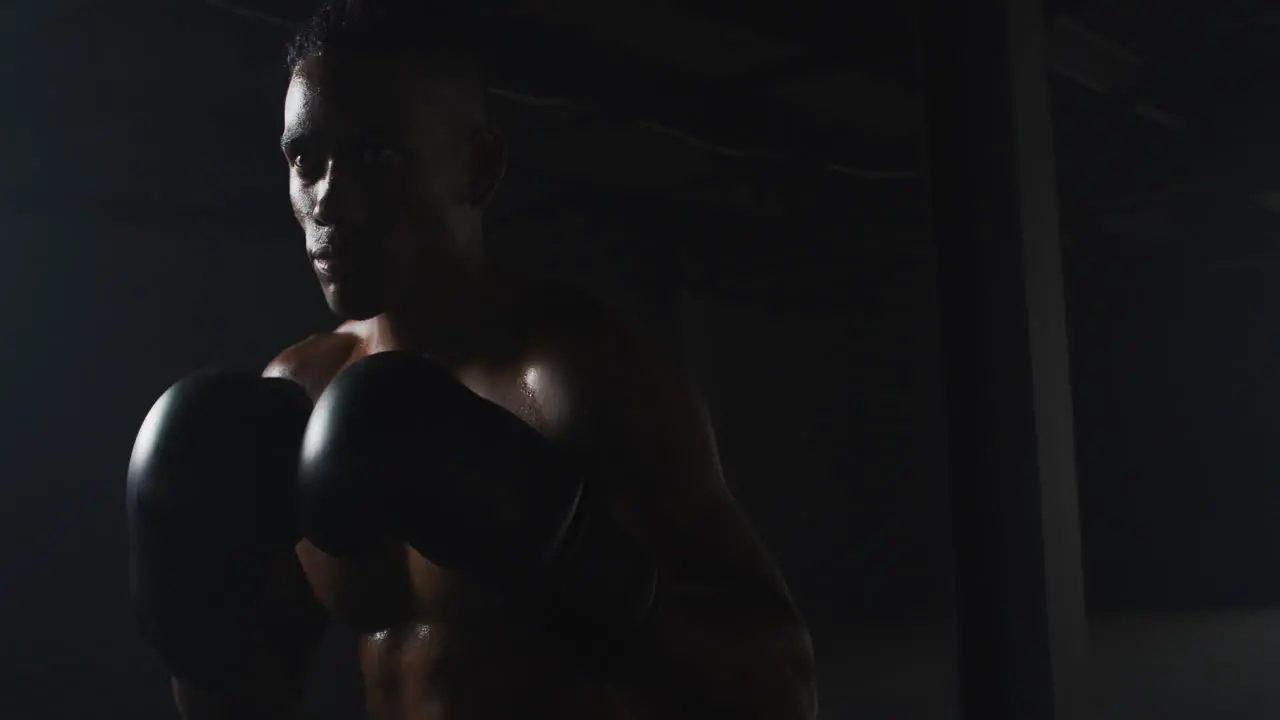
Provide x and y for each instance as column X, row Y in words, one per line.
column 304, row 163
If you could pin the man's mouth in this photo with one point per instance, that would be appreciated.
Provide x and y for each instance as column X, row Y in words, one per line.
column 326, row 262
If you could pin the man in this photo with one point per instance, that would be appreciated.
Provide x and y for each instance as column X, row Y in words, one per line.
column 505, row 489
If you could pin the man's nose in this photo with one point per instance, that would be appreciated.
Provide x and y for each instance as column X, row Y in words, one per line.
column 339, row 198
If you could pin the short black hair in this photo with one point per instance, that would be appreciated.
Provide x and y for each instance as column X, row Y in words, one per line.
column 435, row 32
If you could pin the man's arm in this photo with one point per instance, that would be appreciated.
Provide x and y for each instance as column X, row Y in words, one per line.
column 725, row 639
column 270, row 680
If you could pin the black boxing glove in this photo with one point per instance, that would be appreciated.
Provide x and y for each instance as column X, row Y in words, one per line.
column 210, row 495
column 397, row 448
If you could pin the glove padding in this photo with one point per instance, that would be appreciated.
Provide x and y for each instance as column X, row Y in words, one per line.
column 211, row 492
column 397, row 448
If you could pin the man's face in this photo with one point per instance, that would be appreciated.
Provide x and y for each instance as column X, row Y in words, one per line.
column 379, row 179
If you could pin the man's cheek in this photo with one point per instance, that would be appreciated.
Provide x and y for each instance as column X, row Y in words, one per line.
column 403, row 248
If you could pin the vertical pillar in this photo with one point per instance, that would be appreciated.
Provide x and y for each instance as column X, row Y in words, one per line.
column 1019, row 581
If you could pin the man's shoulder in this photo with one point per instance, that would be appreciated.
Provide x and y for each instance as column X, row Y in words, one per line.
column 568, row 312
column 569, row 323
column 592, row 339
column 315, row 360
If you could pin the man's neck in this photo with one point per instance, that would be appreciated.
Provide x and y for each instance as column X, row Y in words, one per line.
column 450, row 321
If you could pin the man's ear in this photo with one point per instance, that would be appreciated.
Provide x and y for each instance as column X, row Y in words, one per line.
column 488, row 165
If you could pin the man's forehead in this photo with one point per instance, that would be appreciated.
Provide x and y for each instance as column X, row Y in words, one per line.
column 358, row 77
column 365, row 72
column 337, row 94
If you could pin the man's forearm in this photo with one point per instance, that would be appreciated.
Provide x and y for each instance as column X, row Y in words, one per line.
column 720, row 652
column 269, row 677
column 252, row 700
column 268, row 685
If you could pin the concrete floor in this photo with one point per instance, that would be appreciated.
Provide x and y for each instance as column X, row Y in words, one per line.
column 1204, row 666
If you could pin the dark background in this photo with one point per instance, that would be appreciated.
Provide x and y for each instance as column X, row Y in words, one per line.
column 750, row 179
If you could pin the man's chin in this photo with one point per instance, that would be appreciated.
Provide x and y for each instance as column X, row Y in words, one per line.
column 347, row 305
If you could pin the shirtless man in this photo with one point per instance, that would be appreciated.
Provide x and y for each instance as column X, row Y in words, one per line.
column 506, row 490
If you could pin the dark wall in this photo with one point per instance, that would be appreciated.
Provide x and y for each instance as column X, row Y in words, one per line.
column 1174, row 354
column 105, row 314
